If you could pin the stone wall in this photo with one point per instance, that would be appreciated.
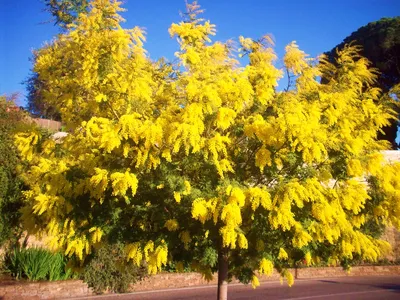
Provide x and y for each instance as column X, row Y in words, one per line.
column 172, row 280
column 392, row 236
column 355, row 271
column 43, row 290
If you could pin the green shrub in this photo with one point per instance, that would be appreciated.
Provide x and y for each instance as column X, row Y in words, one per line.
column 36, row 264
column 58, row 268
column 108, row 270
column 11, row 185
column 12, row 121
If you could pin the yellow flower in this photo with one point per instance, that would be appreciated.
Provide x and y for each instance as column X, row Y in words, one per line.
column 242, row 241
column 199, row 210
column 185, row 238
column 188, row 188
column 289, row 278
column 134, row 252
column 308, row 259
column 266, row 267
column 295, row 59
column 177, row 197
column 237, row 196
column 172, row 225
column 255, row 282
column 122, row 181
column 282, row 254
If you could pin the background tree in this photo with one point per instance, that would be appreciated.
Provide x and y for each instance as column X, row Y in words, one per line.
column 380, row 43
column 65, row 12
column 35, row 103
column 203, row 162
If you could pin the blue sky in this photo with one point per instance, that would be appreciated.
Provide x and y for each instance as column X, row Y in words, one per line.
column 317, row 26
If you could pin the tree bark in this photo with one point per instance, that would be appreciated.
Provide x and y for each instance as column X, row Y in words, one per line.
column 223, row 267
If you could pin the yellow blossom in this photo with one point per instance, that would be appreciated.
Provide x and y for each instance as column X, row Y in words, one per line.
column 282, row 254
column 255, row 282
column 172, row 225
column 266, row 267
column 177, row 197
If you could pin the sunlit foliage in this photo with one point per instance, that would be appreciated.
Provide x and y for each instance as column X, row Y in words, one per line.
column 182, row 160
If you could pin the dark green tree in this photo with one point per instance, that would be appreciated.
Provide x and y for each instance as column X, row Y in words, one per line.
column 380, row 43
column 65, row 12
column 35, row 103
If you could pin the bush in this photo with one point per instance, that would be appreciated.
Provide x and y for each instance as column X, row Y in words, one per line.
column 11, row 121
column 109, row 271
column 36, row 264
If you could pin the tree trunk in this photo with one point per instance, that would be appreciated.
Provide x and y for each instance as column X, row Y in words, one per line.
column 222, row 274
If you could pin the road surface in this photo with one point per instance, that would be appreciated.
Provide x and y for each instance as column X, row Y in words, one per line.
column 343, row 288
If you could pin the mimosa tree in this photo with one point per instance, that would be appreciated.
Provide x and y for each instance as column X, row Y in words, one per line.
column 204, row 161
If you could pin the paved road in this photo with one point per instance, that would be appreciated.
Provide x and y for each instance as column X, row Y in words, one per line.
column 344, row 288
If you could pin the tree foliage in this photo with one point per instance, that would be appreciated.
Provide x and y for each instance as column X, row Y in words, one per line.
column 12, row 120
column 66, row 12
column 190, row 160
column 380, row 42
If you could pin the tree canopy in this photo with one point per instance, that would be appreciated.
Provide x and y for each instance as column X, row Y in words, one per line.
column 203, row 162
column 380, row 42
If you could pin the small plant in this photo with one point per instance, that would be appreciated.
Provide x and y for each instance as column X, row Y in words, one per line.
column 108, row 270
column 12, row 263
column 58, row 269
column 36, row 264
